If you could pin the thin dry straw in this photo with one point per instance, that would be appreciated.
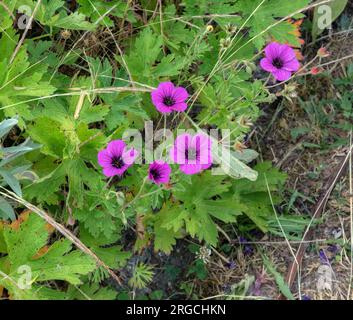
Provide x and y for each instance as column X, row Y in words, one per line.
column 78, row 92
column 28, row 26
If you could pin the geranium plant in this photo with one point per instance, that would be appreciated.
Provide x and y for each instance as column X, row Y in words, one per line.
column 85, row 77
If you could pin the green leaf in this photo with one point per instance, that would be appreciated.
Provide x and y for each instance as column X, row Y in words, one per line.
column 169, row 66
column 5, row 18
column 11, row 181
column 165, row 238
column 231, row 165
column 44, row 189
column 11, row 153
column 26, row 241
column 90, row 292
column 23, row 81
column 201, row 200
column 74, row 21
column 246, row 155
column 106, row 249
column 283, row 287
column 253, row 198
column 98, row 8
column 6, row 126
column 336, row 6
column 60, row 263
column 261, row 15
column 48, row 133
column 6, row 210
column 147, row 68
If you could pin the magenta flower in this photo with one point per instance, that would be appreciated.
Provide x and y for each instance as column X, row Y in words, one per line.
column 280, row 61
column 168, row 98
column 159, row 172
column 192, row 153
column 115, row 159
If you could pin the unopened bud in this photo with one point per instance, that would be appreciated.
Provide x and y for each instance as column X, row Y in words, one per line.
column 209, row 28
column 323, row 53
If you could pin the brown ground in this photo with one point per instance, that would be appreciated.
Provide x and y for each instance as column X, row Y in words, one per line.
column 308, row 171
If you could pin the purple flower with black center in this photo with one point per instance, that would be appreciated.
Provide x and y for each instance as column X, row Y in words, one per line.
column 192, row 153
column 159, row 172
column 116, row 159
column 168, row 98
column 280, row 60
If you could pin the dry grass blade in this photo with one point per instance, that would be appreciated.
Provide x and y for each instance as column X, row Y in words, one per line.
column 294, row 267
column 78, row 92
column 7, row 10
column 79, row 105
column 17, row 49
column 281, row 228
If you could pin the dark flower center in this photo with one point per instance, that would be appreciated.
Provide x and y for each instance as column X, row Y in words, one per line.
column 155, row 174
column 278, row 63
column 118, row 162
column 169, row 101
column 191, row 154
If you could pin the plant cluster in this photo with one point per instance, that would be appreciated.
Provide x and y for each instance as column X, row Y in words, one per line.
column 87, row 73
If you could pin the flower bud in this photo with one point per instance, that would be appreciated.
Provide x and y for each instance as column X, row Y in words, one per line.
column 323, row 53
column 209, row 28
column 315, row 70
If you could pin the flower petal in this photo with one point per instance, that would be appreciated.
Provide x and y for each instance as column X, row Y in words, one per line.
column 163, row 170
column 282, row 75
column 191, row 168
column 166, row 89
column 104, row 158
column 115, row 148
column 156, row 96
column 180, row 106
column 287, row 53
column 206, row 166
column 129, row 156
column 161, row 107
column 177, row 152
column 180, row 94
column 267, row 65
column 292, row 65
column 273, row 50
column 203, row 145
column 111, row 171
